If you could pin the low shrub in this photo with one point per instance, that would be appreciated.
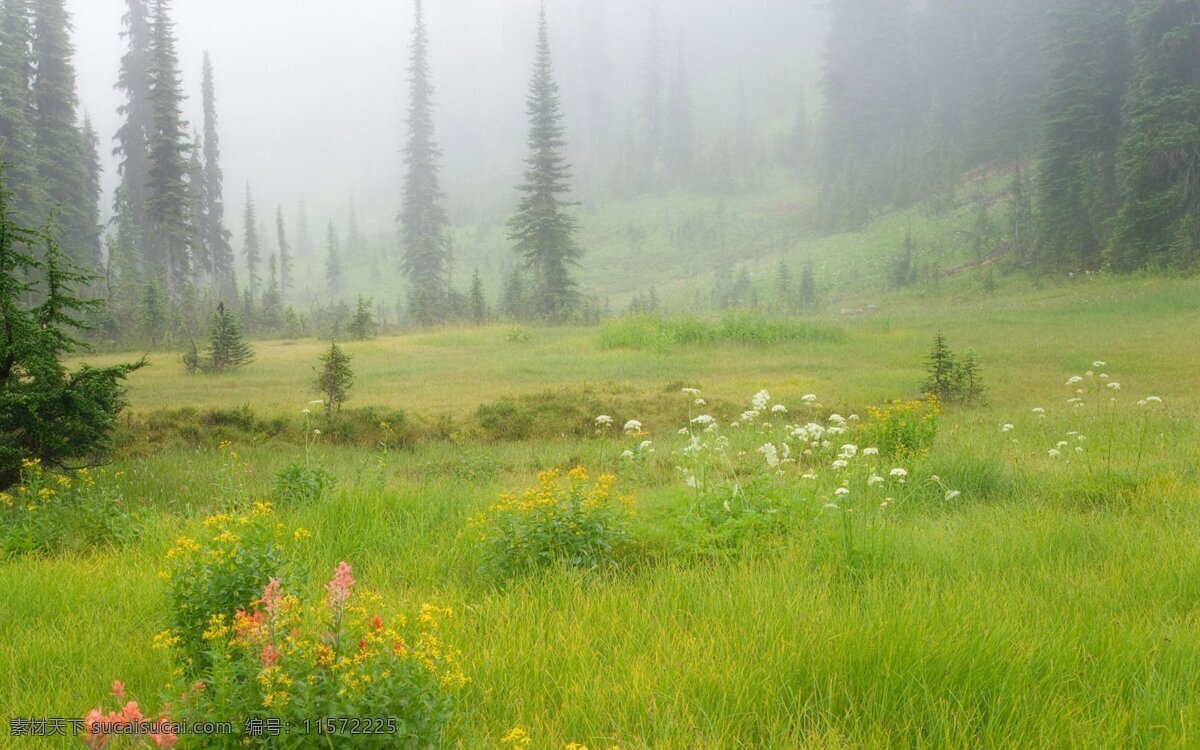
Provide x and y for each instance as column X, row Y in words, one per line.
column 564, row 520
column 300, row 482
column 54, row 513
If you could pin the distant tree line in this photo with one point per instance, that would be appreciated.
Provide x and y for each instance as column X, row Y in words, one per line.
column 1096, row 102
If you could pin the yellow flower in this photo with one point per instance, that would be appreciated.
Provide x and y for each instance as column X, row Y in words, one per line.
column 262, row 508
column 299, row 534
column 516, row 738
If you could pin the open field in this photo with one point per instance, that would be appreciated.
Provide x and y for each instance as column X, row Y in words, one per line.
column 1053, row 603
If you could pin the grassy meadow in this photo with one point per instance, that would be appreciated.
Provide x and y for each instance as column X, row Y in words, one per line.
column 1044, row 601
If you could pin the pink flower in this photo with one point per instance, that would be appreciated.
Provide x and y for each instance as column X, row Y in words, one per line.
column 90, row 738
column 271, row 597
column 339, row 586
column 118, row 690
column 269, row 655
column 165, row 739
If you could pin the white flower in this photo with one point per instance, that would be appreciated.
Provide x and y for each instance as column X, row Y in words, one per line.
column 840, row 463
column 809, row 476
column 854, row 418
column 1115, row 386
column 779, row 409
column 1153, row 400
column 1038, row 410
column 683, row 430
column 1054, row 453
column 1098, row 363
column 1007, row 428
column 306, row 411
column 703, row 420
column 700, row 402
column 875, row 479
column 887, row 502
column 627, row 455
column 830, row 506
column 316, row 432
column 1061, row 444
column 838, row 418
column 604, row 420
column 633, row 426
column 691, row 391
column 850, row 450
column 870, row 451
column 646, row 445
column 952, row 494
column 1104, row 376
column 899, row 473
column 770, row 454
column 1079, row 449
column 761, row 399
column 809, row 398
column 1074, row 379
column 316, row 402
column 841, row 491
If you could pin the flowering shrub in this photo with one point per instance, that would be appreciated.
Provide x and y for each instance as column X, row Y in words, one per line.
column 285, row 659
column 222, row 571
column 563, row 520
column 904, row 428
column 107, row 729
column 46, row 514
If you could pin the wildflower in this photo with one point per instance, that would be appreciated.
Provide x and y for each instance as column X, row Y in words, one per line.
column 604, row 421
column 691, row 391
column 831, row 506
column 339, row 586
column 645, row 447
column 316, row 402
column 703, row 420
column 870, row 451
column 517, row 739
column 849, row 450
column 306, row 412
column 770, row 454
column 633, row 425
column 841, row 491
column 1038, row 410
column 1007, row 428
column 761, row 399
column 809, row 398
column 1074, row 380
column 899, row 473
column 951, row 494
column 841, row 463
column 887, row 502
column 316, row 432
column 1153, row 400
column 809, row 476
column 300, row 533
column 700, row 402
column 1054, row 453
column 779, row 409
column 875, row 479
column 838, row 418
column 1114, row 386
column 1099, row 364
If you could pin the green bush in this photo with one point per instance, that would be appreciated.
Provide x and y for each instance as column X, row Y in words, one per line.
column 299, row 482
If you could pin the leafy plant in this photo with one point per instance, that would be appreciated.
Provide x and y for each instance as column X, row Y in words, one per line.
column 300, row 482
column 334, row 379
column 952, row 379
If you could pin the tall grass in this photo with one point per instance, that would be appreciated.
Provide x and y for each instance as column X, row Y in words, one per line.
column 658, row 333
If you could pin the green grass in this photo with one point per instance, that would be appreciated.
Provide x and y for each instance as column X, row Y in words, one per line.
column 1053, row 604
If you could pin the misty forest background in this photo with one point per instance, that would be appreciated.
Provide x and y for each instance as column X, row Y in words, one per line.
column 656, row 156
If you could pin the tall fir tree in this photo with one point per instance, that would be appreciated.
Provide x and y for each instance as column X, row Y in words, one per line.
column 60, row 145
column 216, row 235
column 423, row 219
column 168, row 232
column 251, row 248
column 355, row 245
column 17, row 138
column 91, row 192
column 201, row 253
column 542, row 231
column 133, row 137
column 304, row 241
column 1159, row 159
column 333, row 264
column 477, row 302
column 285, row 254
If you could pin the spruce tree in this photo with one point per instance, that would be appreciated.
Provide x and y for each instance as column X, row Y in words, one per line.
column 227, row 349
column 304, row 243
column 477, row 302
column 216, row 235
column 423, row 219
column 1159, row 167
column 333, row 263
column 271, row 314
column 250, row 246
column 92, row 190
column 363, row 326
column 285, row 253
column 133, row 137
column 808, row 288
column 355, row 247
column 334, row 379
column 153, row 312
column 17, row 138
column 201, row 253
column 168, row 233
column 60, row 144
column 542, row 232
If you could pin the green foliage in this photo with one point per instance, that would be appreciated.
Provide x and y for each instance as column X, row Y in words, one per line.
column 657, row 333
column 300, row 483
column 334, row 379
column 562, row 521
column 903, row 429
column 363, row 326
column 227, row 348
column 51, row 514
column 46, row 411
column 953, row 379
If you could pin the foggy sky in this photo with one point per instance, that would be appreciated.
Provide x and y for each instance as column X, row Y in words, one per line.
column 311, row 95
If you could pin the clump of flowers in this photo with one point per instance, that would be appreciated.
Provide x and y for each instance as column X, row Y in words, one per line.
column 52, row 513
column 106, row 730
column 563, row 520
column 903, row 428
column 283, row 658
column 220, row 570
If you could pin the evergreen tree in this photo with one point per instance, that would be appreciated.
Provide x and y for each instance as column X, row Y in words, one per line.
column 304, row 244
column 271, row 316
column 46, row 411
column 1159, row 224
column 168, row 233
column 250, row 246
column 363, row 326
column 201, row 254
column 808, row 288
column 17, row 138
column 227, row 349
column 334, row 379
column 333, row 263
column 542, row 232
column 423, row 219
column 60, row 145
column 153, row 312
column 91, row 194
column 133, row 137
column 1077, row 189
column 679, row 145
column 355, row 248
column 285, row 253
column 216, row 235
column 477, row 302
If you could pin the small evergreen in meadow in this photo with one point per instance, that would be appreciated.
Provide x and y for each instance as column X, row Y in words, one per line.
column 363, row 326
column 227, row 348
column 952, row 379
column 334, row 378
